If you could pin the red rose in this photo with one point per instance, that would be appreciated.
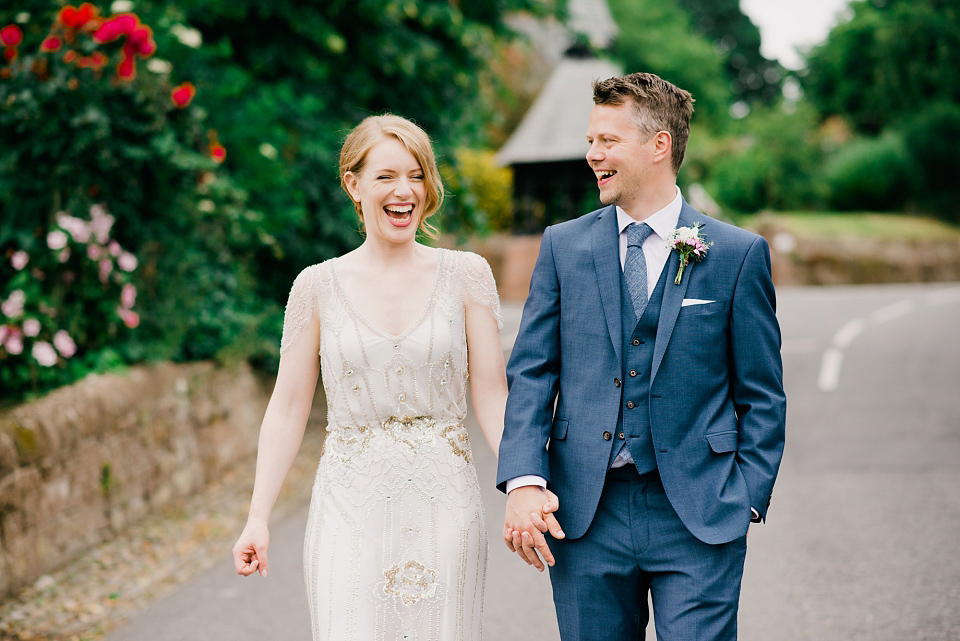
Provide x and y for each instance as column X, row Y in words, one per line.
column 11, row 35
column 107, row 32
column 218, row 152
column 183, row 94
column 127, row 70
column 119, row 25
column 70, row 56
column 50, row 44
column 85, row 14
column 10, row 53
column 68, row 16
column 126, row 22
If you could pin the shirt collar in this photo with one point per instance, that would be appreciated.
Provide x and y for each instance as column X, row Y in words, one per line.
column 662, row 222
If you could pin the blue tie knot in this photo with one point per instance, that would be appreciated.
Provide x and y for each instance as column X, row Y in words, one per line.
column 637, row 233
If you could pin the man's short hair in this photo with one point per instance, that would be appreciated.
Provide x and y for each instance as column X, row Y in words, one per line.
column 657, row 106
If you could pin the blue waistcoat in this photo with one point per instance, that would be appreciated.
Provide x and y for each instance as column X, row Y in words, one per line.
column 634, row 422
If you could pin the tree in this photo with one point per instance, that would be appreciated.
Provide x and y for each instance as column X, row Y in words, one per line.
column 751, row 76
column 657, row 36
column 286, row 81
column 891, row 60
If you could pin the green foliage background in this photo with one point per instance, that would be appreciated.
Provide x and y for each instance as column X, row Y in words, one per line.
column 279, row 84
column 871, row 122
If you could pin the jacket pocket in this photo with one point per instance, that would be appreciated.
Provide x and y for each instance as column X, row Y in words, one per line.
column 723, row 442
column 559, row 429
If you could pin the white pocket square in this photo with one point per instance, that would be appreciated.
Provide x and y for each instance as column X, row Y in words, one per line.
column 695, row 301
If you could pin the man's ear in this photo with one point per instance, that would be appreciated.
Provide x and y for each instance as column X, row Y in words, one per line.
column 663, row 146
column 350, row 179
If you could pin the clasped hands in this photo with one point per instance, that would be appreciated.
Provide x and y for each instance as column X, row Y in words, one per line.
column 530, row 515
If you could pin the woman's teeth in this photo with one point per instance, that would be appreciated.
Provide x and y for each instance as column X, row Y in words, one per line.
column 400, row 214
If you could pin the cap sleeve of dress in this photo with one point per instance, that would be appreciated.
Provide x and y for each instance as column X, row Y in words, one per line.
column 479, row 285
column 303, row 306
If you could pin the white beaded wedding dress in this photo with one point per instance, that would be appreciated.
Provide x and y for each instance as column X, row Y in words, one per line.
column 395, row 546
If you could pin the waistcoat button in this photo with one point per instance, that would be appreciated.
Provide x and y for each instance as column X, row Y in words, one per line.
column 621, row 436
column 630, row 405
column 633, row 372
column 607, row 436
column 616, row 382
column 635, row 341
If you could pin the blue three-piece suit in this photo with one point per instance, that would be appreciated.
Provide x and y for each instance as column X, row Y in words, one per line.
column 693, row 388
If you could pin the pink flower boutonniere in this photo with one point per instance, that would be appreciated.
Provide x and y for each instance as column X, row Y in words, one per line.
column 689, row 244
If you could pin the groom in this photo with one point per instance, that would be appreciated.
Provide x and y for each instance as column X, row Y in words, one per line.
column 649, row 401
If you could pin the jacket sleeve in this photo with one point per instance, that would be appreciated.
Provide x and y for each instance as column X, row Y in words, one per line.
column 532, row 375
column 757, row 376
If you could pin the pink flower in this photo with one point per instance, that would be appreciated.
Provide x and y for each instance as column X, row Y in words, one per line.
column 114, row 248
column 106, row 266
column 130, row 318
column 19, row 259
column 31, row 327
column 100, row 222
column 4, row 332
column 44, row 353
column 57, row 240
column 14, row 342
column 128, row 296
column 64, row 256
column 80, row 230
column 94, row 252
column 127, row 262
column 64, row 344
column 13, row 306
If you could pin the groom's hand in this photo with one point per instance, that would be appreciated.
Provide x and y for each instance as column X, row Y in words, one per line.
column 529, row 515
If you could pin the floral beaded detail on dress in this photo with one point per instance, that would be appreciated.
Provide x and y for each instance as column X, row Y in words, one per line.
column 395, row 546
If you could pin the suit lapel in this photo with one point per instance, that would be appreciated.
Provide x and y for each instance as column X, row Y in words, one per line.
column 673, row 294
column 606, row 260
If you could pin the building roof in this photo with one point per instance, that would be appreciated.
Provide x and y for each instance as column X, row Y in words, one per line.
column 554, row 128
column 593, row 19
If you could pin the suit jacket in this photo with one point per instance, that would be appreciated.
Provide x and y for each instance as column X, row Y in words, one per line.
column 717, row 406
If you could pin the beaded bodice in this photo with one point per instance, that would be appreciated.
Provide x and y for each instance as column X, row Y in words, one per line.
column 371, row 377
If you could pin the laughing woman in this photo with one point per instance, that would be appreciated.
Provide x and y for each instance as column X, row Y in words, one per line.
column 395, row 546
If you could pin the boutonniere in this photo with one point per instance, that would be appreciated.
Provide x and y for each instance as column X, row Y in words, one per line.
column 689, row 244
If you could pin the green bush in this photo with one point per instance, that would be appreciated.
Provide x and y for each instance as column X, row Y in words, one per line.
column 772, row 164
column 136, row 243
column 931, row 138
column 874, row 174
column 480, row 190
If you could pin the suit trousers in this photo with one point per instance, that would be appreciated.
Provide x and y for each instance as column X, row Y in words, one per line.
column 637, row 545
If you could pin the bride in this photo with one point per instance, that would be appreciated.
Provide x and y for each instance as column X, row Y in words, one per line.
column 395, row 546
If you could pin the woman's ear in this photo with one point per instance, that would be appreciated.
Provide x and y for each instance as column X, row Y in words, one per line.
column 351, row 180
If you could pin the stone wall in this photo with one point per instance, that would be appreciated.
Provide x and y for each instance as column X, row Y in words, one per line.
column 81, row 463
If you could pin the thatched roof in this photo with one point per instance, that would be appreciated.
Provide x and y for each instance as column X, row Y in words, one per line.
column 555, row 126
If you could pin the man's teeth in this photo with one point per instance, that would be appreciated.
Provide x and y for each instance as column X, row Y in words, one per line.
column 604, row 173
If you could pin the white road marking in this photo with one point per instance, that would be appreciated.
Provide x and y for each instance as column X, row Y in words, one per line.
column 830, row 369
column 893, row 312
column 832, row 361
column 843, row 338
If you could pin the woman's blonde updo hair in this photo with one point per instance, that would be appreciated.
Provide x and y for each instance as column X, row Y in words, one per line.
column 372, row 130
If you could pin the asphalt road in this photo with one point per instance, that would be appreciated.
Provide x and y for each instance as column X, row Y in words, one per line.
column 863, row 536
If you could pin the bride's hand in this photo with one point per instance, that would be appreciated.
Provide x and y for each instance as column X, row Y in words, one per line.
column 250, row 552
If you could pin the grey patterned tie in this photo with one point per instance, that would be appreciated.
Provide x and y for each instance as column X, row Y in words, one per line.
column 635, row 265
